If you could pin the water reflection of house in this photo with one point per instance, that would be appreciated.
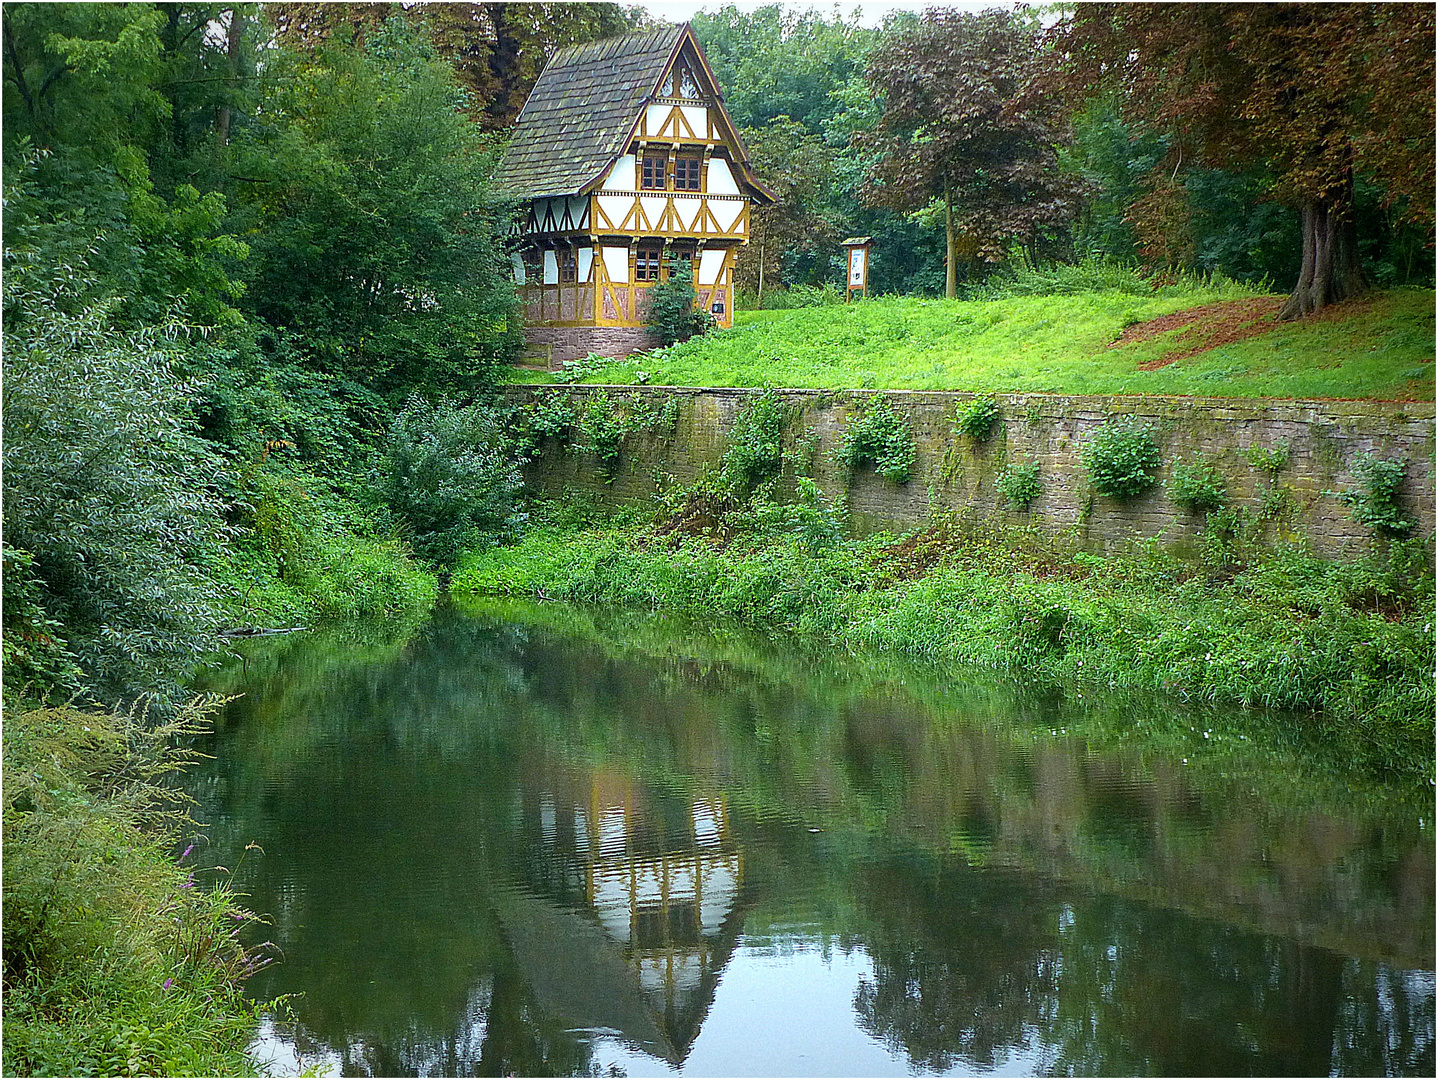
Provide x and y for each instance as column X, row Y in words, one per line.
column 631, row 910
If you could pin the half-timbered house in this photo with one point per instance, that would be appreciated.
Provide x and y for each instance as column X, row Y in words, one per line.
column 623, row 161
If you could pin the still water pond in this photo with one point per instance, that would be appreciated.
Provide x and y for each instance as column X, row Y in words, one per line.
column 544, row 841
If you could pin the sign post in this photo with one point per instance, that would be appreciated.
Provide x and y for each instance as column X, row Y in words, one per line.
column 857, row 248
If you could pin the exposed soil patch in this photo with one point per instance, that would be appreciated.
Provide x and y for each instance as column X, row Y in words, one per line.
column 1212, row 325
column 1205, row 327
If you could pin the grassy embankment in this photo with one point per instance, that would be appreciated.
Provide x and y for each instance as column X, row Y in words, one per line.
column 1378, row 348
column 1352, row 644
column 118, row 962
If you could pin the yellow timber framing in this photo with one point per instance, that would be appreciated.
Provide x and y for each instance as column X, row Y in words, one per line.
column 669, row 225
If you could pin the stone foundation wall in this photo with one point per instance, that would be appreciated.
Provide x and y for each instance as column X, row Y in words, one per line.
column 954, row 474
column 563, row 343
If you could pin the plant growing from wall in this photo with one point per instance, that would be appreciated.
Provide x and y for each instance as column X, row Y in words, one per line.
column 1270, row 459
column 978, row 419
column 604, row 422
column 1197, row 486
column 1019, row 483
column 756, row 442
column 672, row 314
column 881, row 436
column 1122, row 459
column 1375, row 504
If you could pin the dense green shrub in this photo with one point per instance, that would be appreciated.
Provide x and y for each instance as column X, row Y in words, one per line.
column 879, row 435
column 672, row 314
column 1122, row 459
column 1375, row 504
column 117, row 503
column 451, row 477
column 1019, row 484
column 1197, row 486
column 978, row 419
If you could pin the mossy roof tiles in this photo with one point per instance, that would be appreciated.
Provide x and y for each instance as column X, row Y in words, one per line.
column 581, row 111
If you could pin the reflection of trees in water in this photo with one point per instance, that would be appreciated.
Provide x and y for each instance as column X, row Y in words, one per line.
column 968, row 963
column 962, row 962
column 969, row 968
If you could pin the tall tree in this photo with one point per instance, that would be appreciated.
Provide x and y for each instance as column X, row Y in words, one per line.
column 962, row 122
column 373, row 236
column 497, row 50
column 1317, row 93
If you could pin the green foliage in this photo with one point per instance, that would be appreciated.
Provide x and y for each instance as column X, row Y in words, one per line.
column 1270, row 459
column 305, row 553
column 978, row 418
column 605, row 422
column 1122, row 459
column 880, row 435
column 119, row 962
column 451, row 477
column 117, row 504
column 672, row 316
column 787, row 299
column 756, row 442
column 1354, row 640
column 1020, row 484
column 1197, row 486
column 583, row 368
column 1376, row 503
column 374, row 236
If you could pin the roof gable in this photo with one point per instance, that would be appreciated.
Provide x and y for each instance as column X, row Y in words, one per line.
column 581, row 111
column 585, row 108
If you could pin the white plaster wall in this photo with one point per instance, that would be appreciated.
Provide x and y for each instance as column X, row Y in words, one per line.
column 721, row 179
column 616, row 263
column 710, row 260
column 726, row 211
column 551, row 268
column 621, row 177
column 586, row 262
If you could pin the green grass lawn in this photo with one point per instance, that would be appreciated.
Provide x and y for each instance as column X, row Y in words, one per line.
column 1058, row 344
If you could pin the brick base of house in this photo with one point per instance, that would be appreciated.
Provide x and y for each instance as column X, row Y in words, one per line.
column 556, row 344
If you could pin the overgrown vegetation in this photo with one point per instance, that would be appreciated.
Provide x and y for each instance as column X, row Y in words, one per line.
column 1375, row 504
column 1197, row 485
column 1353, row 641
column 978, row 419
column 756, row 450
column 1019, row 484
column 1122, row 458
column 118, row 960
column 881, row 436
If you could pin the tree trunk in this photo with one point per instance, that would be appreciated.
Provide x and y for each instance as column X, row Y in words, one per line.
column 232, row 77
column 759, row 300
column 951, row 273
column 1331, row 267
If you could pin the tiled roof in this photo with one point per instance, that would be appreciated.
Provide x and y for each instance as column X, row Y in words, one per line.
column 580, row 112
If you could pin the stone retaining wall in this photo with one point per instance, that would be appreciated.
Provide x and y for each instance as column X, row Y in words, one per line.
column 561, row 343
column 954, row 474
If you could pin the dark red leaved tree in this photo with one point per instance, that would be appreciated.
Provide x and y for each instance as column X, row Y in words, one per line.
column 963, row 122
column 1316, row 92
